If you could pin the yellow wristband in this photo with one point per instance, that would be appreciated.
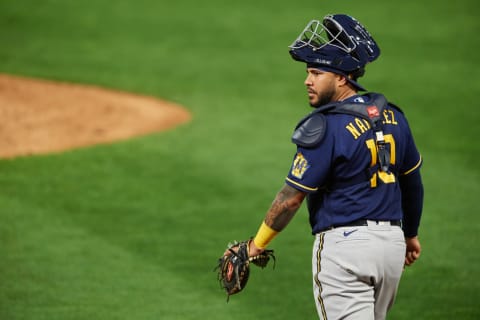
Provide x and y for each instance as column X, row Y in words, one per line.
column 264, row 235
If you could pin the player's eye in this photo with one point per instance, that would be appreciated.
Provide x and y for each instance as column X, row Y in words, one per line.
column 314, row 72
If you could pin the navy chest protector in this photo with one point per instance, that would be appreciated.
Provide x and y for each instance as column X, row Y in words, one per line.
column 310, row 131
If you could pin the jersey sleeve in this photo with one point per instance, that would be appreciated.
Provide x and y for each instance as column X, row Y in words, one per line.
column 412, row 202
column 412, row 159
column 310, row 167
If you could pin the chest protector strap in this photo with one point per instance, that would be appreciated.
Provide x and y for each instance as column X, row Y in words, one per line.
column 310, row 131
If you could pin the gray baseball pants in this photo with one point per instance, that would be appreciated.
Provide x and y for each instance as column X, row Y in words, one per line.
column 356, row 270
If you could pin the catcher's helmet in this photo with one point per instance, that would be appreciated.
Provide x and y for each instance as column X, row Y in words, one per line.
column 339, row 44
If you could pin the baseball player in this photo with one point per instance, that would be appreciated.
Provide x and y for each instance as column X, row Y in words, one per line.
column 357, row 165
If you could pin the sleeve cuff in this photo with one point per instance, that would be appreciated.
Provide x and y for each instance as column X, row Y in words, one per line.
column 300, row 186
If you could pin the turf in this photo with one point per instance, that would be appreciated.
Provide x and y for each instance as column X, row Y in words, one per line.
column 132, row 230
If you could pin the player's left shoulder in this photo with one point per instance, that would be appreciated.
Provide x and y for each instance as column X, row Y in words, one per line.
column 386, row 106
column 382, row 99
column 395, row 107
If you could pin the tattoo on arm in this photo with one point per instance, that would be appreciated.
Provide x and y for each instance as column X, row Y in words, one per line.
column 284, row 207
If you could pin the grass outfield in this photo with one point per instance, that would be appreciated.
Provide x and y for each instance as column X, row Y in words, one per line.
column 133, row 230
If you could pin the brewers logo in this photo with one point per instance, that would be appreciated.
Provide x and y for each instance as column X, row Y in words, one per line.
column 300, row 165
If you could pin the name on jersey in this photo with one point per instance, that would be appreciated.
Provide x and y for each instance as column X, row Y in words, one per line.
column 360, row 126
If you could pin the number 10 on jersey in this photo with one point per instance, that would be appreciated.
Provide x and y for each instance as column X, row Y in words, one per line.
column 385, row 177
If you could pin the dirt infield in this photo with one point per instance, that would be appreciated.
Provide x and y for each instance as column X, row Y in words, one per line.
column 39, row 116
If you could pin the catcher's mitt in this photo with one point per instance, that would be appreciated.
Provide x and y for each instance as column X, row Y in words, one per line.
column 234, row 268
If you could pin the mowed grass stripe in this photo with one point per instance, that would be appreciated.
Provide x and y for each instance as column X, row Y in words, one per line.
column 60, row 270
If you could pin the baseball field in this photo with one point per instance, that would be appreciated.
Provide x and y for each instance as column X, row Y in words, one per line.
column 133, row 229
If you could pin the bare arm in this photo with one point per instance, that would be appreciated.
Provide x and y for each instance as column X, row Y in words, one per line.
column 283, row 208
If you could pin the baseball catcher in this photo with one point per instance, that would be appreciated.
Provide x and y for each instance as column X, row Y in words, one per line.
column 358, row 168
column 234, row 266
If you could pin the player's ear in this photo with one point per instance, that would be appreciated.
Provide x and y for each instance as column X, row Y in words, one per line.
column 341, row 80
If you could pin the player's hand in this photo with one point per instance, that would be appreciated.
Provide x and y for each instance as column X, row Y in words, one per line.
column 413, row 250
column 253, row 250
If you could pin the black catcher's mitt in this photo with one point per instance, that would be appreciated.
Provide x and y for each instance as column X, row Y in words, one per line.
column 234, row 269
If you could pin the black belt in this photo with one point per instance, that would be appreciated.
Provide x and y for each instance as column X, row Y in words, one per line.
column 364, row 222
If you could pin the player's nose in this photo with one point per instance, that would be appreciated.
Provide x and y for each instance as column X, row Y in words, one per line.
column 307, row 81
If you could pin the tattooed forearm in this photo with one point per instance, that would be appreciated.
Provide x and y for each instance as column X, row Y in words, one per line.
column 284, row 207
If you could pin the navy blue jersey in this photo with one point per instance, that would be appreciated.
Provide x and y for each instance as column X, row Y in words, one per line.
column 348, row 149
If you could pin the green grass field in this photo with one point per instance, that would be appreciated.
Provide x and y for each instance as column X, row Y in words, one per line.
column 133, row 230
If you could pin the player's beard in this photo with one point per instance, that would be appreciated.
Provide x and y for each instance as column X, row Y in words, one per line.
column 323, row 97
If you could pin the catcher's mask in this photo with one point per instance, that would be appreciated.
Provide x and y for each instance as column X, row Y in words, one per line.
column 339, row 44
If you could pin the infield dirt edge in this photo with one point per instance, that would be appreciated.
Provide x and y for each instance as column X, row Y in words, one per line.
column 43, row 116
